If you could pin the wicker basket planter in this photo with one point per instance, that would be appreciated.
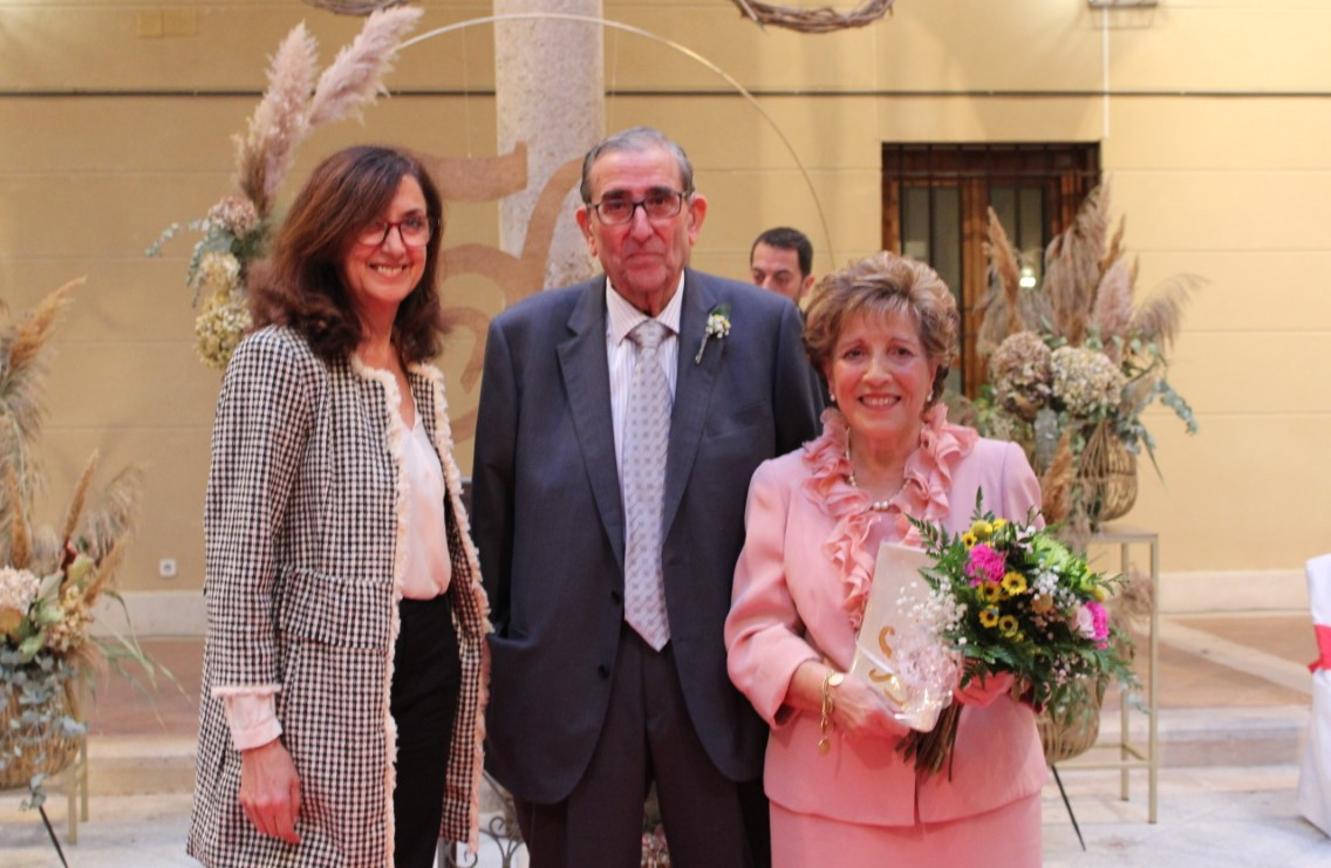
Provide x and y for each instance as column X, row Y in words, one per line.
column 1074, row 728
column 1108, row 473
column 35, row 738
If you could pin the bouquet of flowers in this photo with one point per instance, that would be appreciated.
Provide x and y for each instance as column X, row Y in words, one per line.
column 1025, row 605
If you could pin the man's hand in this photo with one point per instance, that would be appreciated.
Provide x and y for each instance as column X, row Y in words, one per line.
column 270, row 790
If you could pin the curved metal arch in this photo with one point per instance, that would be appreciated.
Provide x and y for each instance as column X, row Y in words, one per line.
column 669, row 43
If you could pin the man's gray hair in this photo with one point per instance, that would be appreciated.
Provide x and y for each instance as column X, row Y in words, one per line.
column 636, row 139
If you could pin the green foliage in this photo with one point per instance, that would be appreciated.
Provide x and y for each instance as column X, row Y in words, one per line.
column 34, row 684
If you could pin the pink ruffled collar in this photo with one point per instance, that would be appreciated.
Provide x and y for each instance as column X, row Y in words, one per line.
column 924, row 495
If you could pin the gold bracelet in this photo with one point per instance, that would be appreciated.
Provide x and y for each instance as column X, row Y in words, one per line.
column 830, row 680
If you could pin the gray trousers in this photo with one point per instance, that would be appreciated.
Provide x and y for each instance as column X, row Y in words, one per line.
column 647, row 736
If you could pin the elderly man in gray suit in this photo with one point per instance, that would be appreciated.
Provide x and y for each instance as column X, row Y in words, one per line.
column 620, row 420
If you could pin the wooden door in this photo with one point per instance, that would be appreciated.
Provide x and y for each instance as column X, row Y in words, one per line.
column 935, row 203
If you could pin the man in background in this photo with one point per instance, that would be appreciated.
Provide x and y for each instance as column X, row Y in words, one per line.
column 781, row 261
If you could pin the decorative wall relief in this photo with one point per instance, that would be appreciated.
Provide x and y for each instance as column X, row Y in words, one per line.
column 480, row 179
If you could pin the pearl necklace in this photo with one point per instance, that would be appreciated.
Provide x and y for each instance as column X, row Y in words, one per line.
column 874, row 505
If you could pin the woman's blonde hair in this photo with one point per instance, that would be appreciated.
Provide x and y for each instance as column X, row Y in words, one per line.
column 877, row 285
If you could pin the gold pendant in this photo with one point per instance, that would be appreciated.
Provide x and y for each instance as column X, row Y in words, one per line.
column 824, row 745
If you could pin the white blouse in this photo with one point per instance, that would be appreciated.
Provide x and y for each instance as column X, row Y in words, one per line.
column 428, row 569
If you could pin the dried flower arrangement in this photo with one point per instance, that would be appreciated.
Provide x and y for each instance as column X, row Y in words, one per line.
column 1074, row 361
column 822, row 19
column 237, row 229
column 50, row 578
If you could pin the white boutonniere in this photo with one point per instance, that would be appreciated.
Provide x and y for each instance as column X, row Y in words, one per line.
column 718, row 326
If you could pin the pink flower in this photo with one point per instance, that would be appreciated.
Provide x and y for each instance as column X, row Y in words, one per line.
column 1093, row 623
column 1085, row 622
column 1099, row 621
column 985, row 565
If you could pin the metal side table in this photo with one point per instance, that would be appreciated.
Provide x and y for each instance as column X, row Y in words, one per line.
column 1132, row 755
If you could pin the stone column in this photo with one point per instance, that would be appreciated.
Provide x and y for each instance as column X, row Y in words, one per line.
column 549, row 93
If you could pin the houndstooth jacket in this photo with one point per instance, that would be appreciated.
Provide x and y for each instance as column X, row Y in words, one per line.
column 304, row 542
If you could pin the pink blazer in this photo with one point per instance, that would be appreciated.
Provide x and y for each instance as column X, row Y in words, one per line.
column 790, row 604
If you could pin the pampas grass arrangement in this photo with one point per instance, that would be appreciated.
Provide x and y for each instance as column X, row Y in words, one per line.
column 298, row 99
column 22, row 373
column 51, row 578
column 294, row 104
column 265, row 152
column 1088, row 291
column 1086, row 311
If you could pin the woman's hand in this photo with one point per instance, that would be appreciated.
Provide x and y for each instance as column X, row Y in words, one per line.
column 270, row 790
column 980, row 691
column 858, row 709
column 862, row 711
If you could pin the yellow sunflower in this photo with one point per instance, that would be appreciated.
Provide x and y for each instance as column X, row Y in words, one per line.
column 1014, row 583
column 1007, row 624
column 990, row 592
column 968, row 539
column 989, row 616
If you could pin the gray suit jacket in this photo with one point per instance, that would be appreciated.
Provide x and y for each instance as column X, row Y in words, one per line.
column 549, row 521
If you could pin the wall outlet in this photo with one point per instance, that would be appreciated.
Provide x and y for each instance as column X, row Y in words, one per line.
column 166, row 568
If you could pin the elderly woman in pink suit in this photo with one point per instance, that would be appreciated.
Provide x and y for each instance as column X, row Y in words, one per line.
column 882, row 331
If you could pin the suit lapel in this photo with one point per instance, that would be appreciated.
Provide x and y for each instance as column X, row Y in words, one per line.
column 582, row 362
column 693, row 391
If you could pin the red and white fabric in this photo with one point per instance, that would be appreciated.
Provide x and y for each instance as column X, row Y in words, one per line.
column 1314, row 795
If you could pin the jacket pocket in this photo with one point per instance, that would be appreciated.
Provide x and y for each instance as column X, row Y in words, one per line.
column 323, row 608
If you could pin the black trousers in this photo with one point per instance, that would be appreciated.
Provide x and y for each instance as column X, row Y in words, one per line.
column 426, row 680
column 647, row 736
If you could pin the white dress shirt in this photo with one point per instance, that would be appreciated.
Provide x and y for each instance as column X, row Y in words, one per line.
column 622, row 354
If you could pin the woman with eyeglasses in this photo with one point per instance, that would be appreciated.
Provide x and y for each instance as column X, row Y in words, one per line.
column 341, row 709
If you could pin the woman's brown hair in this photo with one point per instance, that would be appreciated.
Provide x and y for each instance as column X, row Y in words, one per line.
column 300, row 284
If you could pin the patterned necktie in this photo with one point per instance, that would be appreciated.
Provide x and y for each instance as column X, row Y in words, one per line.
column 646, row 437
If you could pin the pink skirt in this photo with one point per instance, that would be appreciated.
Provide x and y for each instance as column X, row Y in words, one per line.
column 1006, row 837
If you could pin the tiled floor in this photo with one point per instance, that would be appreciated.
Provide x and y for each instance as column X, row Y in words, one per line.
column 1234, row 696
column 167, row 709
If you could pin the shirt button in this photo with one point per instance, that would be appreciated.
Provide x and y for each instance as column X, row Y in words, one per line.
column 616, row 597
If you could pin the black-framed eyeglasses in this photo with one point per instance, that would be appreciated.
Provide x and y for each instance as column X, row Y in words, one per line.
column 657, row 205
column 414, row 229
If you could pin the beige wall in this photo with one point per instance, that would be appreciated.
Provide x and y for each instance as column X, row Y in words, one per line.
column 1231, row 187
